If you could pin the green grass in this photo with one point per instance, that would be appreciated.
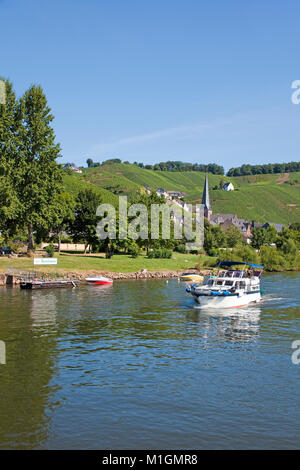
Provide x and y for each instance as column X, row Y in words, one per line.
column 76, row 182
column 119, row 263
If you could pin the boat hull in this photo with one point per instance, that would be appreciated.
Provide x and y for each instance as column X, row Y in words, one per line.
column 99, row 282
column 192, row 278
column 231, row 301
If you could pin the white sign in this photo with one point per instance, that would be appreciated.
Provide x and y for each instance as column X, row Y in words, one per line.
column 45, row 261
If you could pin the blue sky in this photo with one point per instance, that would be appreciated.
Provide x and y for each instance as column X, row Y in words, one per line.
column 190, row 80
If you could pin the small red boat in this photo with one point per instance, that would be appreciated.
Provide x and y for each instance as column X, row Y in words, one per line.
column 99, row 280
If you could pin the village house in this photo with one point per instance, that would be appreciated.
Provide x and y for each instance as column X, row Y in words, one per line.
column 170, row 194
column 175, row 194
column 73, row 167
column 278, row 227
column 161, row 192
column 228, row 187
column 227, row 220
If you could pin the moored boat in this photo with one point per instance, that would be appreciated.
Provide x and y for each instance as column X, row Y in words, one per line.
column 229, row 288
column 99, row 280
column 191, row 277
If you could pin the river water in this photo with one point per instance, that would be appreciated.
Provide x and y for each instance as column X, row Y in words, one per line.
column 137, row 366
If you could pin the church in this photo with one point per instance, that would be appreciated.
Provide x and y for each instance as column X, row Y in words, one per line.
column 224, row 220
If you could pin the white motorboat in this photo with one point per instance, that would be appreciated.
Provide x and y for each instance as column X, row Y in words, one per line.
column 99, row 280
column 229, row 288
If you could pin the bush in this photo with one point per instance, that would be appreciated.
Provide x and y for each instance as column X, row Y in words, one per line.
column 50, row 250
column 288, row 247
column 163, row 253
column 181, row 248
column 272, row 259
column 246, row 253
column 213, row 252
column 134, row 251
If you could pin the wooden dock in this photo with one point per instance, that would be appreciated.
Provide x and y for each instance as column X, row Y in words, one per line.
column 35, row 280
column 47, row 284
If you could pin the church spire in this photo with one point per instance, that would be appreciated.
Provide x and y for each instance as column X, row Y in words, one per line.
column 205, row 197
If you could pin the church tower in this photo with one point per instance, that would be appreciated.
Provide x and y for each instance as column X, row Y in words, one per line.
column 205, row 200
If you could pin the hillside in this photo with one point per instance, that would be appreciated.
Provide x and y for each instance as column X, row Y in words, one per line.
column 270, row 197
column 74, row 183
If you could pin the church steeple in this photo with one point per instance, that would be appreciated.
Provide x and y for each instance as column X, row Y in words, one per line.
column 205, row 199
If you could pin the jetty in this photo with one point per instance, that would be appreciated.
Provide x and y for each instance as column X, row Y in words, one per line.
column 35, row 280
column 47, row 284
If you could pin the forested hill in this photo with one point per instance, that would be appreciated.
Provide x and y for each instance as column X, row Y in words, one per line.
column 263, row 197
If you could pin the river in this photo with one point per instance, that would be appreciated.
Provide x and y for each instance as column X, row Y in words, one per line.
column 137, row 366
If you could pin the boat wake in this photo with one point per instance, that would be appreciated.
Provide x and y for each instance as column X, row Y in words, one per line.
column 272, row 298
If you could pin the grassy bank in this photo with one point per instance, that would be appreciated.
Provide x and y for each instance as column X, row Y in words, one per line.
column 80, row 263
column 97, row 262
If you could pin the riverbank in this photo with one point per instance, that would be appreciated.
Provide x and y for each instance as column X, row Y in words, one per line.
column 121, row 266
column 79, row 266
column 14, row 279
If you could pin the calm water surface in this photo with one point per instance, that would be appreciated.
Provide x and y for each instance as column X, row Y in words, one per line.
column 137, row 366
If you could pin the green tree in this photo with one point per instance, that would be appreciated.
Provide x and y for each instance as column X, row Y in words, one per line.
column 271, row 234
column 148, row 243
column 39, row 179
column 83, row 227
column 272, row 259
column 64, row 214
column 10, row 149
column 260, row 237
column 246, row 253
column 288, row 247
column 214, row 237
column 233, row 236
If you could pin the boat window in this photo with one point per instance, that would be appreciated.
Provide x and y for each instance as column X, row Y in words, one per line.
column 219, row 283
column 228, row 283
column 242, row 284
column 210, row 282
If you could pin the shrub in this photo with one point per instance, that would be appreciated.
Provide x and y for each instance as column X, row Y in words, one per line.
column 213, row 252
column 181, row 248
column 246, row 253
column 160, row 253
column 288, row 247
column 134, row 251
column 272, row 259
column 50, row 250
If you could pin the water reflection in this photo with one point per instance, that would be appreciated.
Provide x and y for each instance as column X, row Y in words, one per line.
column 136, row 365
column 236, row 325
column 25, row 381
column 43, row 309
